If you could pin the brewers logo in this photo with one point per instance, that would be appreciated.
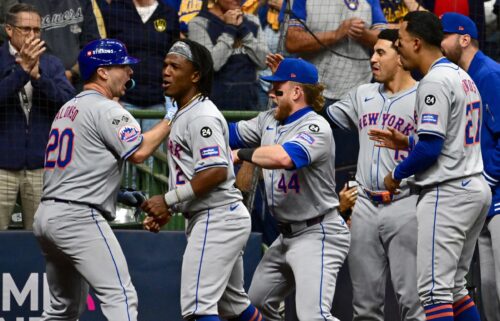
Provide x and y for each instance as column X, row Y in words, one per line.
column 160, row 25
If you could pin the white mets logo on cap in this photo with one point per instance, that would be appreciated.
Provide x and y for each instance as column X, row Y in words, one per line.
column 129, row 133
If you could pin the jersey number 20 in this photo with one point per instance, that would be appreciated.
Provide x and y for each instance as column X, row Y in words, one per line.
column 60, row 148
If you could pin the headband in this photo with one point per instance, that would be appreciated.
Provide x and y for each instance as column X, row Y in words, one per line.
column 182, row 49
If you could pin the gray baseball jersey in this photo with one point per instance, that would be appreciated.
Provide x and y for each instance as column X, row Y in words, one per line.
column 455, row 198
column 297, row 194
column 218, row 222
column 199, row 140
column 383, row 236
column 367, row 107
column 90, row 139
column 449, row 106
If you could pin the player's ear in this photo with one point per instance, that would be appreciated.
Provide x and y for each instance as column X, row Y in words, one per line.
column 464, row 41
column 195, row 77
column 102, row 73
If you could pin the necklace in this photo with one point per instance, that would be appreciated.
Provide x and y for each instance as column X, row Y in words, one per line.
column 352, row 4
column 191, row 100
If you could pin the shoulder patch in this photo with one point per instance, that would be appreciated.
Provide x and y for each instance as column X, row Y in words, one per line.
column 129, row 133
column 314, row 128
column 206, row 132
column 430, row 100
column 304, row 136
column 209, row 152
column 429, row 119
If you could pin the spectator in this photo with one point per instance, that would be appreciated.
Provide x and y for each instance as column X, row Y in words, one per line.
column 32, row 89
column 395, row 10
column 238, row 47
column 148, row 28
column 67, row 26
column 4, row 8
column 346, row 26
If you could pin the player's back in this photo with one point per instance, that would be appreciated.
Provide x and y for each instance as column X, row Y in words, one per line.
column 449, row 106
column 89, row 140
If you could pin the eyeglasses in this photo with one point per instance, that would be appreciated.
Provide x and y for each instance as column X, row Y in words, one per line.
column 27, row 30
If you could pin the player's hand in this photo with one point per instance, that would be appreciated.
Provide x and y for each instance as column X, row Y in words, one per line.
column 235, row 158
column 155, row 206
column 154, row 224
column 170, row 109
column 388, row 138
column 30, row 53
column 391, row 184
column 348, row 198
column 273, row 60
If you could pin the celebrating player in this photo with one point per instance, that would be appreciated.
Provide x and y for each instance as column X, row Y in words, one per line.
column 454, row 197
column 384, row 225
column 297, row 154
column 91, row 138
column 201, row 186
column 461, row 46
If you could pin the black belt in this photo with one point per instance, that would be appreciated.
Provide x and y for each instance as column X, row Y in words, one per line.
column 289, row 228
column 58, row 200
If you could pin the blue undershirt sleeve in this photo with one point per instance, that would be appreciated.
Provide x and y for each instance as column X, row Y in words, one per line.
column 297, row 153
column 424, row 155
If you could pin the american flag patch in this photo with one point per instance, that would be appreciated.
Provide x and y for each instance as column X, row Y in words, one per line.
column 429, row 119
column 209, row 152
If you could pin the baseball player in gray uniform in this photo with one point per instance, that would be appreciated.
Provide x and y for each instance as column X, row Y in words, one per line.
column 384, row 225
column 90, row 139
column 454, row 198
column 201, row 187
column 296, row 150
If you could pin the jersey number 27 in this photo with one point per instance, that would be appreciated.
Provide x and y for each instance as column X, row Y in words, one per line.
column 60, row 148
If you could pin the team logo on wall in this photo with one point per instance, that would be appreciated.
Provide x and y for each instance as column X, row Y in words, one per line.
column 160, row 25
column 352, row 4
column 129, row 133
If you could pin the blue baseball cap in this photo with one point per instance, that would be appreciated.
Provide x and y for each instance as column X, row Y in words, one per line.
column 457, row 23
column 294, row 69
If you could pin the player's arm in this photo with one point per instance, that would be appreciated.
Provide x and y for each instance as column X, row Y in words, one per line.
column 246, row 133
column 269, row 157
column 343, row 113
column 150, row 141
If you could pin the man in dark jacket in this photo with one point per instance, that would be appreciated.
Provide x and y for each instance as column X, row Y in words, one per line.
column 32, row 89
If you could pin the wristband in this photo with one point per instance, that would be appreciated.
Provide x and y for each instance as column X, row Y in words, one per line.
column 246, row 154
column 180, row 194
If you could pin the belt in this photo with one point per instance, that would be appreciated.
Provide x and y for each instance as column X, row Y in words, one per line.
column 379, row 197
column 58, row 200
column 288, row 229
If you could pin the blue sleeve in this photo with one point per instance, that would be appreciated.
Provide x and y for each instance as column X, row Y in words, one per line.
column 299, row 9
column 297, row 153
column 490, row 133
column 235, row 140
column 424, row 155
column 377, row 13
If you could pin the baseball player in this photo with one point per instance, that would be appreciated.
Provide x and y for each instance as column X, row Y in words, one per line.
column 296, row 150
column 454, row 198
column 201, row 186
column 384, row 225
column 90, row 139
column 460, row 45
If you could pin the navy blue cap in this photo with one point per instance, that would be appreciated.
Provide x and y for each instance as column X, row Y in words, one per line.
column 294, row 69
column 457, row 23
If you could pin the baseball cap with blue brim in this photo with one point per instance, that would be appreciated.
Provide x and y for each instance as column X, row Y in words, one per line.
column 296, row 70
column 457, row 23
